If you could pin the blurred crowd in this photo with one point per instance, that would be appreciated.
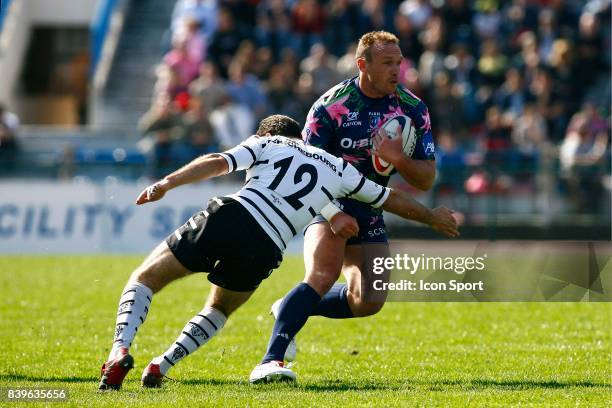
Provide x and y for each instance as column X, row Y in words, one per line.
column 508, row 82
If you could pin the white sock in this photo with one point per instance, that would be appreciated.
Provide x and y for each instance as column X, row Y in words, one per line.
column 201, row 328
column 131, row 313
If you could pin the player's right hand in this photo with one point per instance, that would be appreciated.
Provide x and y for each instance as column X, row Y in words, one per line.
column 343, row 225
column 154, row 192
column 444, row 222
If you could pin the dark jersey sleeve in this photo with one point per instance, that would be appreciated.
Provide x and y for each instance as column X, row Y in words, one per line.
column 425, row 148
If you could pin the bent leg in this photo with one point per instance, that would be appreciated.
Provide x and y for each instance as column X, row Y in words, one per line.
column 203, row 326
column 363, row 300
column 323, row 253
column 159, row 269
column 155, row 272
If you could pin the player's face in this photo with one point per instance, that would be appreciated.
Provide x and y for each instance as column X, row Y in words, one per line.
column 381, row 74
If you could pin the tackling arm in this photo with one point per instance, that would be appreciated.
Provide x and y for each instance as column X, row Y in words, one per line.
column 202, row 168
column 439, row 219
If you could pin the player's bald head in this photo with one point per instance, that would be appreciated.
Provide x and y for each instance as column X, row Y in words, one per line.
column 374, row 39
column 280, row 125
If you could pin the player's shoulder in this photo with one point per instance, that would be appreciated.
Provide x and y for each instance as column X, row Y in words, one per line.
column 337, row 92
column 406, row 97
column 300, row 148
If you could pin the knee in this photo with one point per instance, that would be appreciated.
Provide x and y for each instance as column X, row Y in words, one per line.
column 221, row 307
column 362, row 309
column 322, row 281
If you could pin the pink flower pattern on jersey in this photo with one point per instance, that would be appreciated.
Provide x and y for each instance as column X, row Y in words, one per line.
column 393, row 112
column 313, row 124
column 426, row 121
column 337, row 109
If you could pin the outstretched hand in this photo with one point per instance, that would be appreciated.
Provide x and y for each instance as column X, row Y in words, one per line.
column 152, row 193
column 444, row 222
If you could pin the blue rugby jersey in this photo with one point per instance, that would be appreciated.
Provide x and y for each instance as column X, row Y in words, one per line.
column 343, row 121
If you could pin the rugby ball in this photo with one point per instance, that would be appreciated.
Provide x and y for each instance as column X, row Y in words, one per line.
column 408, row 141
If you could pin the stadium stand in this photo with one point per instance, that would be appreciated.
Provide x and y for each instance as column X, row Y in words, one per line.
column 509, row 84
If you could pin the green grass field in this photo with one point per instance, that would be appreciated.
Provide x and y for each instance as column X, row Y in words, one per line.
column 58, row 315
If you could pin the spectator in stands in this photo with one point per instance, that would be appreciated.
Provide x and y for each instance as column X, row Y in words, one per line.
column 273, row 28
column 279, row 94
column 232, row 122
column 581, row 156
column 195, row 42
column 446, row 105
column 9, row 124
column 589, row 49
column 225, row 42
column 303, row 97
column 342, row 19
column 512, row 96
column 497, row 141
column 322, row 66
column 307, row 25
column 549, row 102
column 181, row 62
column 450, row 165
column 209, row 86
column 432, row 59
column 409, row 44
column 418, row 12
column 346, row 66
column 487, row 20
column 530, row 137
column 160, row 126
column 246, row 90
column 197, row 136
column 203, row 11
column 376, row 15
column 492, row 63
column 546, row 34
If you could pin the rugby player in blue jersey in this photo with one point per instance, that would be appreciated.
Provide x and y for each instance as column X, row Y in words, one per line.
column 345, row 121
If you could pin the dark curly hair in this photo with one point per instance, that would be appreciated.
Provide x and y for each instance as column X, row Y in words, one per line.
column 280, row 125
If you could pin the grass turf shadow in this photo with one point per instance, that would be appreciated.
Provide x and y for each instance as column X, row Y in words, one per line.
column 344, row 385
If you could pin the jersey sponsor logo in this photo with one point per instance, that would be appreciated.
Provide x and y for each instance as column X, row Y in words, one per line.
column 352, row 116
column 430, row 148
column 276, row 200
column 351, row 120
column 376, row 232
column 348, row 143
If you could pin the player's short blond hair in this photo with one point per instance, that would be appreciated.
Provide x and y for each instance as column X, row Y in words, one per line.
column 364, row 48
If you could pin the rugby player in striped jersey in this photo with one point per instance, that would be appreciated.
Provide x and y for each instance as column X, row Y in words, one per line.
column 239, row 239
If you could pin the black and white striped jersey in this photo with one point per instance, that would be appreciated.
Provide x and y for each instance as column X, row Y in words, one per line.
column 288, row 183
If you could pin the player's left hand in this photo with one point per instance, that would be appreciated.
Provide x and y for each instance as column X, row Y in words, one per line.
column 153, row 193
column 390, row 150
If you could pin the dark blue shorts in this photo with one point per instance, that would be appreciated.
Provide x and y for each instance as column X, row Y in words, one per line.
column 372, row 229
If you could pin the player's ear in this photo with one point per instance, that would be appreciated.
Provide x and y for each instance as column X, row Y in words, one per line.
column 361, row 64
